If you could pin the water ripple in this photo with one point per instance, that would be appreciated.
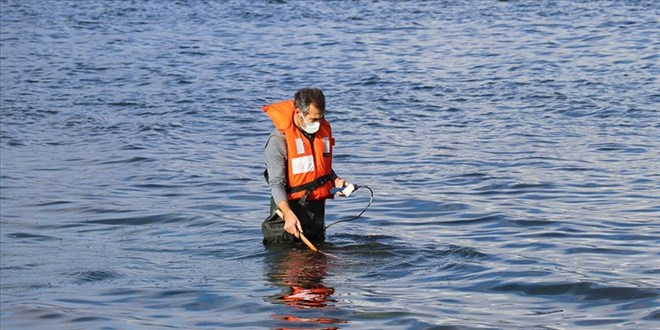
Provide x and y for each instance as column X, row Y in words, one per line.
column 512, row 147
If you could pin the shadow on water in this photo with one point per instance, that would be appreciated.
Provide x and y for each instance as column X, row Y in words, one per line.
column 301, row 274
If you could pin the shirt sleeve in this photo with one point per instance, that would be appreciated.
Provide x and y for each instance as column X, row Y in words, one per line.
column 276, row 160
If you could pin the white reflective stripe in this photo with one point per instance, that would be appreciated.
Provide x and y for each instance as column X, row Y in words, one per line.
column 326, row 145
column 300, row 147
column 302, row 164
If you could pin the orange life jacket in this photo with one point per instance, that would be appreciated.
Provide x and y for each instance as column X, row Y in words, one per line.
column 309, row 163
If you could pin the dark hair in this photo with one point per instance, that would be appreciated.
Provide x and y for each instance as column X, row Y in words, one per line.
column 306, row 96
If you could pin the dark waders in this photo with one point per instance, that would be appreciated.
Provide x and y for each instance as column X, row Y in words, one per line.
column 311, row 218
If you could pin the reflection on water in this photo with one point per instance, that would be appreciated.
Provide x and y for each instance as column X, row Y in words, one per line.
column 301, row 275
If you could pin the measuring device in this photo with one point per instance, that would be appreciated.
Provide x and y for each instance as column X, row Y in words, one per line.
column 345, row 190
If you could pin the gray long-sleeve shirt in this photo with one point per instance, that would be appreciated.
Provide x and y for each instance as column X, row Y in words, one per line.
column 276, row 163
column 276, row 159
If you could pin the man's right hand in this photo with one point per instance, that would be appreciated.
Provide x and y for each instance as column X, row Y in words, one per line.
column 292, row 224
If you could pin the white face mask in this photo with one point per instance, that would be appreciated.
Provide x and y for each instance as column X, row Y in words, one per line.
column 310, row 128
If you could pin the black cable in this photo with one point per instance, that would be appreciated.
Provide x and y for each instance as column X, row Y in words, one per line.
column 355, row 217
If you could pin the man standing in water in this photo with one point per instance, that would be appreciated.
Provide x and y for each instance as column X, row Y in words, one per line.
column 299, row 168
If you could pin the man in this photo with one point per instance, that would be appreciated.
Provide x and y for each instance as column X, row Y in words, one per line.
column 299, row 168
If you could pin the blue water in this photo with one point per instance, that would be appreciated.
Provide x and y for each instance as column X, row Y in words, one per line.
column 513, row 148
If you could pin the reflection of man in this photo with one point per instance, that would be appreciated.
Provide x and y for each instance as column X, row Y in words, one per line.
column 299, row 168
column 301, row 274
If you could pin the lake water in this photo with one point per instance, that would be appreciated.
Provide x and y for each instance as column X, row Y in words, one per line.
column 512, row 147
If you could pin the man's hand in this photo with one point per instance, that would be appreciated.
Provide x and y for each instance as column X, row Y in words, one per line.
column 339, row 182
column 292, row 224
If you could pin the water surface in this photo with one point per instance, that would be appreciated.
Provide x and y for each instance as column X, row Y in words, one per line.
column 512, row 148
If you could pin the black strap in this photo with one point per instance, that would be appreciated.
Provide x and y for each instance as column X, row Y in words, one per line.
column 309, row 187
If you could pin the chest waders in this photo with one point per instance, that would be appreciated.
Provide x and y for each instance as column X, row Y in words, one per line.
column 310, row 213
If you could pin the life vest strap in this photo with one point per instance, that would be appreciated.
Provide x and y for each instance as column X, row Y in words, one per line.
column 309, row 187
